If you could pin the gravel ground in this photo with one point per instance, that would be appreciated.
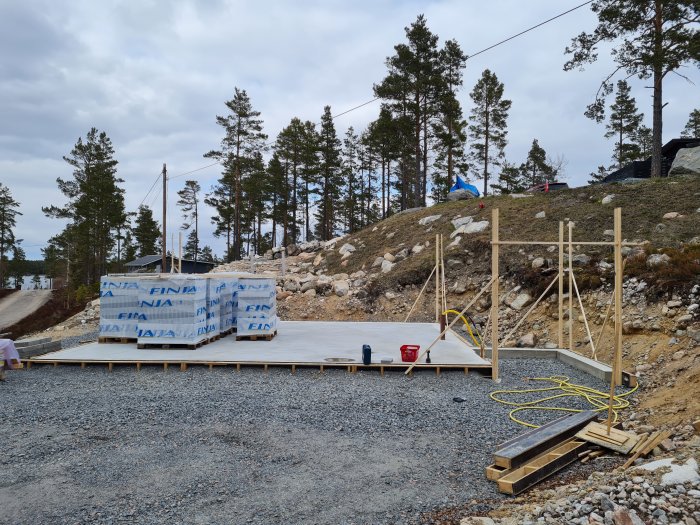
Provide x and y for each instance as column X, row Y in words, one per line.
column 205, row 447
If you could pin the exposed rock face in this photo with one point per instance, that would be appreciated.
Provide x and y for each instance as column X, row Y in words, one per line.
column 461, row 221
column 540, row 215
column 427, row 220
column 687, row 162
column 608, row 199
column 387, row 266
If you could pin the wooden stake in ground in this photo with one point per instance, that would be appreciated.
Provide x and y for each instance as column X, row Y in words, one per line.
column 495, row 253
column 571, row 291
column 560, row 323
column 616, row 376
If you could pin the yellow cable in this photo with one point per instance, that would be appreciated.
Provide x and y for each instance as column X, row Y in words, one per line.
column 466, row 323
column 597, row 399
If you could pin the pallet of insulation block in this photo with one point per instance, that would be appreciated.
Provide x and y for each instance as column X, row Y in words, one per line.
column 256, row 314
column 174, row 312
column 119, row 308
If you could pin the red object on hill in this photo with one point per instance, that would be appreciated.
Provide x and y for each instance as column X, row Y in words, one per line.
column 481, row 205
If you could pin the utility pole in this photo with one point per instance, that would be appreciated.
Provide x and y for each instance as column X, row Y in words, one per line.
column 164, row 259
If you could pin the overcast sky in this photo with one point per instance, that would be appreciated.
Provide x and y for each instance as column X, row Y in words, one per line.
column 154, row 74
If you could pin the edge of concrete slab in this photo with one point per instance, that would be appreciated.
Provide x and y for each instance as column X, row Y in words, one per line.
column 580, row 362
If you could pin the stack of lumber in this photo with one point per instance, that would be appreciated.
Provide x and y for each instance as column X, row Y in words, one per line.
column 537, row 454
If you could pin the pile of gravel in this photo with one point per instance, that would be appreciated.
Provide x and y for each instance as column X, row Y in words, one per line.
column 250, row 447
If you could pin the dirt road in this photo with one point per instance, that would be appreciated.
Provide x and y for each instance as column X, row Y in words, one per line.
column 19, row 305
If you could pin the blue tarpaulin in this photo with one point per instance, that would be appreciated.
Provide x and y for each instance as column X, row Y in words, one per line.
column 461, row 185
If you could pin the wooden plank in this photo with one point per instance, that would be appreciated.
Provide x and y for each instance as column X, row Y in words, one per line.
column 535, row 471
column 520, row 450
column 494, row 472
column 617, row 440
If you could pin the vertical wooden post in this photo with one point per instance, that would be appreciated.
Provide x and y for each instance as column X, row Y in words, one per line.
column 560, row 324
column 437, row 278
column 619, row 268
column 494, row 293
column 571, row 290
column 164, row 243
column 443, row 291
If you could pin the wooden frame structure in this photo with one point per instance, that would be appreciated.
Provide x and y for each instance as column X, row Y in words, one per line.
column 493, row 283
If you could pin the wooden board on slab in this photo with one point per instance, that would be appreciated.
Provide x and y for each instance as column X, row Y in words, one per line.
column 617, row 440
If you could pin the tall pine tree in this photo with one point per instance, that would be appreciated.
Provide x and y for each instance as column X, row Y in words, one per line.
column 488, row 125
column 189, row 204
column 330, row 178
column 624, row 125
column 95, row 207
column 146, row 232
column 243, row 138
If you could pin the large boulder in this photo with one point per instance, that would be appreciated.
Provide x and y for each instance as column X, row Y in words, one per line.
column 460, row 195
column 461, row 221
column 346, row 248
column 687, row 162
column 341, row 288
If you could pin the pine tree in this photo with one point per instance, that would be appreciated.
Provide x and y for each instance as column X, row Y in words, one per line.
column 450, row 126
column 146, row 232
column 651, row 39
column 643, row 139
column 243, row 137
column 623, row 125
column 330, row 178
column 9, row 210
column 95, row 206
column 510, row 180
column 536, row 169
column 17, row 267
column 410, row 91
column 351, row 164
column 384, row 136
column 692, row 128
column 488, row 125
column 189, row 204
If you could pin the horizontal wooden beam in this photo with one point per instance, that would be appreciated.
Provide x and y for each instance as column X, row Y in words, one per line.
column 519, row 451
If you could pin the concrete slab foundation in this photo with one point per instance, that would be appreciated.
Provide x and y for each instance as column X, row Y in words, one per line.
column 297, row 343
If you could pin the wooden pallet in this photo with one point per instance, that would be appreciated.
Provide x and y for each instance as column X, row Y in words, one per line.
column 524, row 477
column 171, row 346
column 617, row 440
column 256, row 337
column 114, row 340
column 215, row 338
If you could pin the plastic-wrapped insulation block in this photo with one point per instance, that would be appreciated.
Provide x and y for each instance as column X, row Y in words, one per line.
column 257, row 306
column 119, row 306
column 175, row 311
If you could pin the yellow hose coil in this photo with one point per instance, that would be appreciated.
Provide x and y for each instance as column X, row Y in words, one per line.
column 597, row 399
column 466, row 323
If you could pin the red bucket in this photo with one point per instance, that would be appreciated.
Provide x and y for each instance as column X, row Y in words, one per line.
column 409, row 353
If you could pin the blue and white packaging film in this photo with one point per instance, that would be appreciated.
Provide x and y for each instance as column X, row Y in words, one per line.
column 257, row 306
column 174, row 311
column 228, row 292
column 119, row 306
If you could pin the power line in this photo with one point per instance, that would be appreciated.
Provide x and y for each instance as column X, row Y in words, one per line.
column 529, row 29
column 149, row 191
column 194, row 170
